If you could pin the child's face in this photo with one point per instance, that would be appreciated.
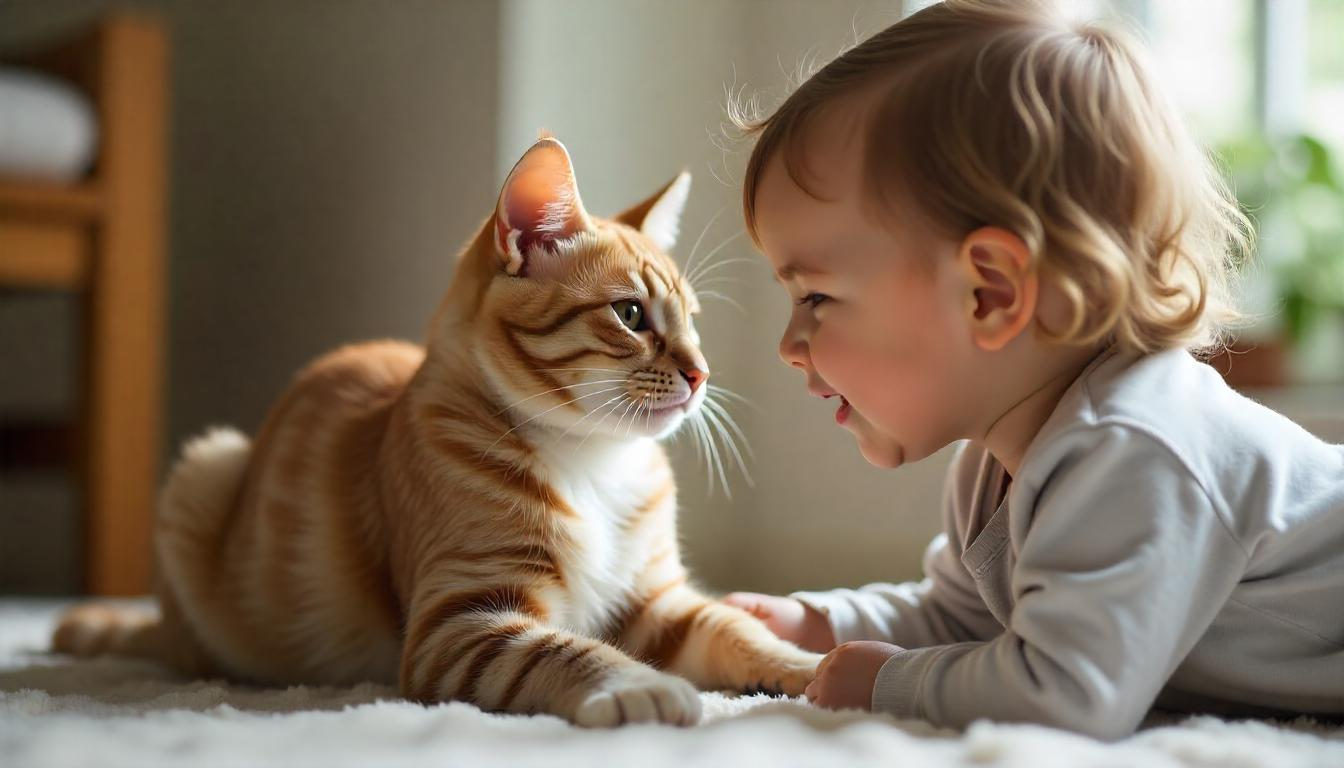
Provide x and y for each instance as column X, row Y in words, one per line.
column 879, row 313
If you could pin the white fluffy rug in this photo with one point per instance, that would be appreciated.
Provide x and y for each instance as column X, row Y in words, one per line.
column 107, row 712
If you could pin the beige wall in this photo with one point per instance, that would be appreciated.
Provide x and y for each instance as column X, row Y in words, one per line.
column 329, row 157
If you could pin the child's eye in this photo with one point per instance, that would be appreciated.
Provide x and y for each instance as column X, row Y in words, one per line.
column 813, row 299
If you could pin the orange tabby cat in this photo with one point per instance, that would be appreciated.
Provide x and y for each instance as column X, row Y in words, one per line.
column 488, row 518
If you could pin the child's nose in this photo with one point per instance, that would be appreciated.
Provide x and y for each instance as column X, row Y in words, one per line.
column 793, row 351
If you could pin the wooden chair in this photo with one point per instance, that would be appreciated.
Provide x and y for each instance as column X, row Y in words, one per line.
column 103, row 237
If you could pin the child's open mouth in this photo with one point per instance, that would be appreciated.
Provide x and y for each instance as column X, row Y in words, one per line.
column 842, row 413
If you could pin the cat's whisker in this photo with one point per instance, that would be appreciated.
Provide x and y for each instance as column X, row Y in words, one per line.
column 597, row 370
column 719, row 283
column 708, row 268
column 689, row 427
column 600, row 421
column 708, row 272
column 626, row 412
column 719, row 463
column 714, row 451
column 710, row 255
column 633, row 412
column 722, row 411
column 647, row 408
column 716, row 279
column 739, row 435
column 716, row 392
column 642, row 405
column 628, row 402
column 702, row 449
column 715, row 389
column 558, row 389
column 722, row 297
column 586, row 416
column 690, row 260
column 543, row 413
column 701, row 270
column 714, row 418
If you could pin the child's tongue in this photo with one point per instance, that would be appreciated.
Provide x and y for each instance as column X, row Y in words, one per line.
column 842, row 413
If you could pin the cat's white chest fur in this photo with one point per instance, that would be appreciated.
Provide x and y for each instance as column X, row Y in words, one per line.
column 602, row 484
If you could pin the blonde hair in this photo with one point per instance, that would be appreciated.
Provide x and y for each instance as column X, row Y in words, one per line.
column 1006, row 114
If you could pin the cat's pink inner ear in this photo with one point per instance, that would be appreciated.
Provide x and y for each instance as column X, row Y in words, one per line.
column 538, row 206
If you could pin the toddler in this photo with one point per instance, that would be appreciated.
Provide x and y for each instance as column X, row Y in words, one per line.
column 994, row 228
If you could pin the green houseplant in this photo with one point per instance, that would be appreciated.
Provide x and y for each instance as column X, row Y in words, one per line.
column 1291, row 189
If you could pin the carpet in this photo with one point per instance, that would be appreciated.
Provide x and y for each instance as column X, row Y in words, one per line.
column 56, row 711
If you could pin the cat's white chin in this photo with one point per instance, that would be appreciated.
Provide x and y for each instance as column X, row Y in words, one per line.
column 662, row 422
column 655, row 423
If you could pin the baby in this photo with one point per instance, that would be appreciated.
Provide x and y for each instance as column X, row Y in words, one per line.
column 994, row 228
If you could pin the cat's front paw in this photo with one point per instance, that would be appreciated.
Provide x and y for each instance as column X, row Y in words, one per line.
column 639, row 695
column 786, row 673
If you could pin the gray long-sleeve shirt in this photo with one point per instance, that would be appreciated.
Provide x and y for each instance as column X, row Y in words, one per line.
column 1165, row 541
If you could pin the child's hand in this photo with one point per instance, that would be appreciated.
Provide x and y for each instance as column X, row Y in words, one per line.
column 788, row 619
column 845, row 677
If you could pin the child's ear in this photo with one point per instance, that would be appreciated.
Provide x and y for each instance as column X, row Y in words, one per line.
column 1002, row 283
column 538, row 206
column 659, row 217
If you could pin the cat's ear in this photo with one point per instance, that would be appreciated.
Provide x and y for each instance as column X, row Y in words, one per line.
column 538, row 206
column 659, row 217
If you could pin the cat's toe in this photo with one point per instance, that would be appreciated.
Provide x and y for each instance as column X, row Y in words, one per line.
column 599, row 710
column 795, row 673
column 660, row 699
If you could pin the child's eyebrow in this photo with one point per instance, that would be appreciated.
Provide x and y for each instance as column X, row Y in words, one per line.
column 791, row 270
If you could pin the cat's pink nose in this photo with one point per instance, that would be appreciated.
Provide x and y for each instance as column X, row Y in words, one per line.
column 695, row 377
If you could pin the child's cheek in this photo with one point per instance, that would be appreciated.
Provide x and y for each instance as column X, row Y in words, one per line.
column 843, row 358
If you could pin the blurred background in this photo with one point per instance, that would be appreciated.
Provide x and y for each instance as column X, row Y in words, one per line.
column 243, row 185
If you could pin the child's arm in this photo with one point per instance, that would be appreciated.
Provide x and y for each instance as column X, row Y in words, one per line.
column 943, row 608
column 1121, row 567
column 788, row 618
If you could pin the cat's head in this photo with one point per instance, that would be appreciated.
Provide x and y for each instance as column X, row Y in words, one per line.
column 582, row 324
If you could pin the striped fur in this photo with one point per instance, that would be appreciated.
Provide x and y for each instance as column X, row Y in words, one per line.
column 488, row 518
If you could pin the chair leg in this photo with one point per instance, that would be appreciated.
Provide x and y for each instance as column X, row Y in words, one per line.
column 125, row 312
column 120, row 433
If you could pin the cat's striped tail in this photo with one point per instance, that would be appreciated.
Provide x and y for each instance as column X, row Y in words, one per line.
column 197, row 498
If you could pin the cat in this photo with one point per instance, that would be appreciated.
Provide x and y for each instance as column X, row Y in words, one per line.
column 489, row 518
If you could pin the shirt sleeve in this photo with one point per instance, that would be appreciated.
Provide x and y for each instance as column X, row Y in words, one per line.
column 943, row 608
column 1123, row 567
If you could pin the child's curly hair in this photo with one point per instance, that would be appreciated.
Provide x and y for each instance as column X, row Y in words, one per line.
column 991, row 112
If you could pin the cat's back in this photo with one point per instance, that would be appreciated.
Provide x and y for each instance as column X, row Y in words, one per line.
column 305, row 552
column 328, row 424
column 357, row 377
column 333, row 396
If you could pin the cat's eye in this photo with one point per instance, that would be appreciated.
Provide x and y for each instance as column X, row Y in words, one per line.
column 631, row 314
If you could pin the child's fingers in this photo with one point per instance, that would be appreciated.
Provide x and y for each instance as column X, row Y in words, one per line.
column 748, row 601
column 741, row 599
column 736, row 599
column 825, row 662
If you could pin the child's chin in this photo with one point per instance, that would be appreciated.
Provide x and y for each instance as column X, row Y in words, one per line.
column 888, row 456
